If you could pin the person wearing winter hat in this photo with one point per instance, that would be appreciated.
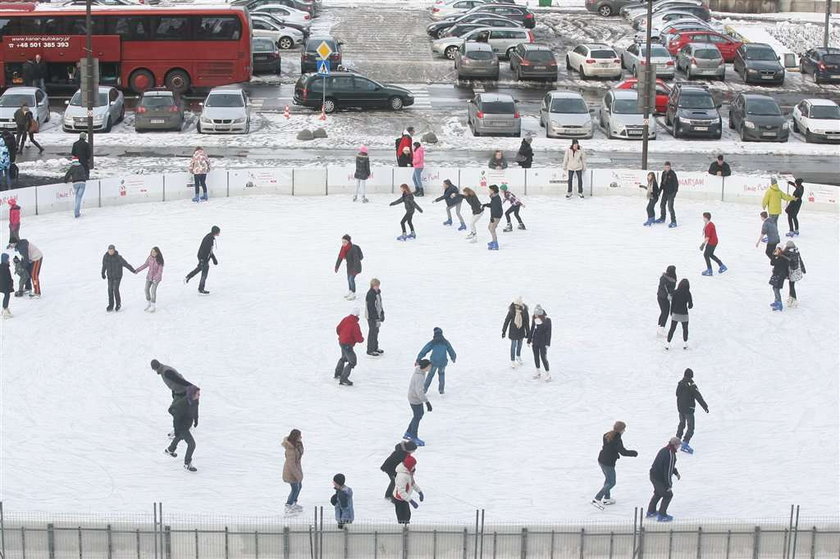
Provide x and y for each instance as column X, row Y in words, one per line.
column 688, row 395
column 416, row 398
column 793, row 208
column 14, row 220
column 440, row 347
column 205, row 255
column 184, row 411
column 404, row 486
column 662, row 470
column 611, row 448
column 796, row 269
column 342, row 500
column 352, row 254
column 349, row 334
column 772, row 201
column 81, row 149
column 112, row 267
column 515, row 205
column 389, row 466
column 539, row 338
column 362, row 173
column 518, row 328
column 667, row 284
column 78, row 175
column 7, row 285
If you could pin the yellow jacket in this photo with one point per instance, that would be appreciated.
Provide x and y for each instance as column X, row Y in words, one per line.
column 773, row 200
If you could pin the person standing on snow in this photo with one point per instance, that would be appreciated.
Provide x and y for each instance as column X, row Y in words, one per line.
column 769, row 234
column 525, row 155
column 352, row 254
column 498, row 161
column 453, row 199
column 416, row 398
column 418, row 161
column 574, row 163
column 688, row 395
column 293, row 469
column 670, row 185
column 375, row 315
column 517, row 328
column 772, row 201
column 205, row 255
column 515, row 205
column 796, row 270
column 349, row 334
column 7, row 284
column 199, row 167
column 342, row 500
column 539, row 338
column 81, row 150
column 112, row 267
column 612, row 447
column 14, row 221
column 404, row 141
column 404, row 486
column 477, row 211
column 667, row 284
column 153, row 277
column 407, row 200
column 440, row 347
column 778, row 277
column 362, row 173
column 78, row 175
column 652, row 195
column 495, row 206
column 709, row 244
column 793, row 208
column 27, row 125
column 184, row 411
column 662, row 470
column 681, row 301
column 389, row 466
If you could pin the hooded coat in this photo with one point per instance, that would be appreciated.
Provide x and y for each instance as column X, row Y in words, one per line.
column 688, row 395
column 113, row 264
column 417, row 388
column 451, row 196
column 348, row 330
column 772, row 201
column 7, row 285
column 404, row 484
column 612, row 448
column 440, row 347
column 574, row 160
column 14, row 212
column 525, row 155
column 292, row 468
column 362, row 167
column 76, row 172
column 664, row 465
column 780, row 271
column 205, row 249
column 342, row 500
column 540, row 333
column 155, row 273
column 81, row 149
column 389, row 466
column 199, row 163
column 516, row 325
column 666, row 286
column 796, row 266
column 418, row 158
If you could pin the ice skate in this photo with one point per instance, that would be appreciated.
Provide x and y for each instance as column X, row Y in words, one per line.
column 203, row 292
column 792, row 303
column 518, row 361
column 521, row 227
column 569, row 195
column 493, row 246
column 777, row 306
column 448, row 222
column 660, row 332
column 686, row 448
column 664, row 518
column 672, row 225
column 171, row 453
column 796, row 233
column 547, row 377
column 667, row 346
column 345, row 382
column 470, row 235
column 411, row 235
column 580, row 196
column 660, row 220
column 196, row 199
column 512, row 364
column 148, row 306
column 790, row 234
column 351, row 296
column 649, row 222
column 292, row 511
column 373, row 354
column 189, row 467
column 651, row 515
column 508, row 228
column 537, row 375
column 152, row 308
column 462, row 227
column 7, row 313
column 707, row 272
column 685, row 345
column 365, row 200
column 608, row 501
column 722, row 269
column 597, row 504
column 203, row 197
column 402, row 237
column 355, row 198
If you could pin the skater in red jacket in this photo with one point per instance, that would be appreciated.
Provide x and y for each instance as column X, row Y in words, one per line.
column 14, row 221
column 349, row 334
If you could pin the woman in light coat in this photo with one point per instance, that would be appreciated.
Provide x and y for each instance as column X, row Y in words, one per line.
column 155, row 265
column 404, row 486
column 199, row 167
column 293, row 470
column 652, row 195
column 574, row 162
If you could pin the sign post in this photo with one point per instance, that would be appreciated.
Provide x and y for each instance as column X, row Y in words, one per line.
column 646, row 86
column 87, row 80
column 323, row 64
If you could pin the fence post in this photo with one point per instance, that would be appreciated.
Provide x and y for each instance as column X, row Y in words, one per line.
column 227, row 551
column 551, row 556
column 154, row 507
column 405, row 541
column 346, row 542
column 475, row 546
column 582, row 536
column 795, row 532
column 3, row 526
column 256, row 544
column 51, row 540
column 523, row 553
column 481, row 553
column 81, row 553
column 196, row 544
column 285, row 542
column 168, row 542
column 23, row 541
column 138, row 543
column 699, row 540
column 756, row 541
column 813, row 542
column 463, row 545
column 110, row 542
column 612, row 538
column 728, row 542
column 641, row 541
column 788, row 532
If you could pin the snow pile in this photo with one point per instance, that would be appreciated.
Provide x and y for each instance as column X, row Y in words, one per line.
column 801, row 36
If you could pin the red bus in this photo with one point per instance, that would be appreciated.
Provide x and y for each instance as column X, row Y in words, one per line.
column 137, row 47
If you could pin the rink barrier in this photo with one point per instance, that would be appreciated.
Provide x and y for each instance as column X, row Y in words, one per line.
column 338, row 179
column 313, row 536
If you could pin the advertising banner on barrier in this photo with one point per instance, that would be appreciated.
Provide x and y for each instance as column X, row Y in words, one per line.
column 130, row 189
column 432, row 178
column 820, row 196
column 750, row 188
column 310, row 181
column 618, row 181
column 61, row 197
column 341, row 179
column 181, row 186
column 260, row 181
column 701, row 186
column 25, row 197
column 480, row 178
column 554, row 181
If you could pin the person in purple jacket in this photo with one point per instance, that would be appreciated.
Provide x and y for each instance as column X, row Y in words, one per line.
column 155, row 265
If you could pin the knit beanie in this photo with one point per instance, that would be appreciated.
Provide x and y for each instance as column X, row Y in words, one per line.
column 423, row 363
column 155, row 364
column 410, row 462
column 410, row 446
column 688, row 373
column 339, row 479
column 538, row 311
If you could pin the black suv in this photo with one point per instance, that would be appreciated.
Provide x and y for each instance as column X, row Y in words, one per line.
column 823, row 62
column 346, row 89
column 530, row 60
column 758, row 62
column 309, row 55
column 693, row 110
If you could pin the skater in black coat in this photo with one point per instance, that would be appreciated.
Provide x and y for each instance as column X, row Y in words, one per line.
column 517, row 328
column 662, row 470
column 184, row 411
column 112, row 267
column 687, row 396
column 792, row 208
column 525, row 155
column 667, row 283
column 681, row 301
column 539, row 338
column 7, row 285
column 496, row 213
column 205, row 255
column 471, row 198
column 669, row 184
column 407, row 200
column 610, row 451
column 389, row 466
column 173, row 380
column 781, row 270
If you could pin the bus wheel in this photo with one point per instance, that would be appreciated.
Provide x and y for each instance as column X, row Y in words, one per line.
column 141, row 80
column 177, row 81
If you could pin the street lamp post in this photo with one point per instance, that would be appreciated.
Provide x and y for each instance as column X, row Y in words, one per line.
column 827, row 22
column 89, row 75
column 645, row 89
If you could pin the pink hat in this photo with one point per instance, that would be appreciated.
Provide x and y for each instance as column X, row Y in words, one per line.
column 363, row 149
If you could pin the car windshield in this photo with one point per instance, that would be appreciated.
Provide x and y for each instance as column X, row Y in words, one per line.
column 498, row 107
column 826, row 112
column 655, row 52
column 101, row 100
column 311, row 45
column 569, row 106
column 481, row 55
column 699, row 101
column 263, row 46
column 602, row 54
column 707, row 54
column 626, row 107
column 539, row 55
column 766, row 107
column 16, row 100
column 156, row 101
column 224, row 100
column 761, row 54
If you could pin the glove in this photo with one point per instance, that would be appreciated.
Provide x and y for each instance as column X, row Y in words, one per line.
column 420, row 494
column 702, row 246
column 336, row 269
column 677, row 474
column 103, row 276
column 428, row 408
column 503, row 335
column 195, row 423
column 453, row 360
column 706, row 409
column 413, row 503
column 632, row 453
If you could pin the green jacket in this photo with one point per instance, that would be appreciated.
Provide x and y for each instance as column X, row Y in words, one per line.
column 773, row 200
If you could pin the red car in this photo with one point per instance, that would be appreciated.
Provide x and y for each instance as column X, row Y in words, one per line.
column 725, row 44
column 662, row 92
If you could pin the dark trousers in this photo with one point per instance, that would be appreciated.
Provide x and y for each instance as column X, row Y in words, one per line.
column 793, row 216
column 407, row 219
column 414, row 425
column 389, row 493
column 515, row 211
column 21, row 140
column 403, row 511
column 580, row 181
column 6, row 299
column 709, row 255
column 667, row 199
column 651, row 208
column 674, row 329
column 200, row 180
column 182, row 433
column 770, row 248
column 204, row 268
column 346, row 362
column 664, row 311
column 373, row 336
column 791, row 289
column 686, row 418
column 14, row 233
column 660, row 492
column 114, row 292
column 540, row 353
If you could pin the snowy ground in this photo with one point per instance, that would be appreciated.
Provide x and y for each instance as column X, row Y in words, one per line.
column 84, row 418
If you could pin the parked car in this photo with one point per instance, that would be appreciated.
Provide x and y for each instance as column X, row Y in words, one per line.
column 288, row 14
column 11, row 100
column 304, row 29
column 460, row 29
column 109, row 109
column 663, row 18
column 701, row 59
column 348, row 89
column 529, row 60
column 502, row 39
column 671, row 30
column 438, row 29
column 225, row 110
column 160, row 109
column 520, row 14
column 564, row 114
column 284, row 37
column 631, row 11
column 818, row 120
column 594, row 60
column 493, row 114
column 822, row 62
column 620, row 116
column 758, row 117
column 663, row 91
column 634, row 57
column 265, row 56
column 309, row 55
column 758, row 62
column 476, row 60
column 606, row 8
column 725, row 44
column 303, row 5
column 454, row 8
column 693, row 111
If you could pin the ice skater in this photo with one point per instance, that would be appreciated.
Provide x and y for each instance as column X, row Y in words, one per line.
column 517, row 328
column 349, row 334
column 667, row 283
column 574, row 163
column 612, row 447
column 777, row 277
column 14, row 220
column 153, row 277
column 22, row 272
column 709, row 244
column 515, row 205
column 688, row 396
column 477, row 211
column 389, row 466
column 407, row 200
column 796, row 270
column 404, row 487
column 662, row 470
column 539, row 338
column 7, row 284
column 293, row 469
column 681, row 301
column 453, row 199
column 199, row 167
column 112, row 267
column 352, row 254
column 652, row 195
column 793, row 207
column 184, row 411
column 174, row 381
column 375, row 315
column 495, row 206
column 440, row 348
column 32, row 259
column 205, row 255
column 669, row 185
column 362, row 173
column 342, row 500
column 772, row 201
column 416, row 398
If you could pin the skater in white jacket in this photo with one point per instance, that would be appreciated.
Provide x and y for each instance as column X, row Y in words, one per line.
column 416, row 398
column 574, row 162
column 404, row 486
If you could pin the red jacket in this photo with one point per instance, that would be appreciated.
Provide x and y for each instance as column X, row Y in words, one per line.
column 348, row 331
column 405, row 142
column 710, row 233
column 14, row 213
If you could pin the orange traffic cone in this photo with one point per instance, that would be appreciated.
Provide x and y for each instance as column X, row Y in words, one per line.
column 286, row 112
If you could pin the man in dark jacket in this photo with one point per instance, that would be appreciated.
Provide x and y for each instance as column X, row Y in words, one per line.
column 352, row 254
column 81, row 149
column 661, row 471
column 39, row 73
column 205, row 255
column 670, row 185
column 496, row 213
column 389, row 466
column 719, row 167
column 173, row 380
column 184, row 412
column 112, row 267
column 687, row 395
column 375, row 315
column 29, row 73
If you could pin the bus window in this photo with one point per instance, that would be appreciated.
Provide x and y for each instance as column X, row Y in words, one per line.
column 51, row 26
column 4, row 27
column 218, row 29
column 172, row 28
column 130, row 28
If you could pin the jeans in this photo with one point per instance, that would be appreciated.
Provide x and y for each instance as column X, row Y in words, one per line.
column 777, row 294
column 414, row 425
column 686, row 418
column 457, row 212
column 475, row 219
column 709, row 254
column 660, row 492
column 609, row 482
column 540, row 353
column 664, row 311
column 114, row 292
column 515, row 211
column 200, row 179
column 79, row 187
column 674, row 329
column 373, row 336
column 580, row 181
column 494, row 222
column 351, row 282
column 204, row 268
column 667, row 199
column 346, row 362
column 651, row 208
column 407, row 219
column 516, row 348
column 360, row 187
column 441, row 372
column 182, row 433
column 417, row 178
column 151, row 291
column 294, row 493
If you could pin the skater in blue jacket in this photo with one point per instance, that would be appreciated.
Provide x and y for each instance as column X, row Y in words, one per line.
column 407, row 200
column 440, row 347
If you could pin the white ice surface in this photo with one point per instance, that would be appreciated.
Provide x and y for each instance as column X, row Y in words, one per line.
column 84, row 418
